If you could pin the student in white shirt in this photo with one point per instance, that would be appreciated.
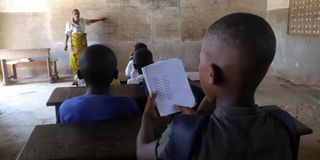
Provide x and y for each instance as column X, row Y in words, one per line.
column 141, row 58
column 130, row 71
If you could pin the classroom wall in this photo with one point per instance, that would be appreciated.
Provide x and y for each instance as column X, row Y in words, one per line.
column 171, row 28
column 24, row 24
column 297, row 57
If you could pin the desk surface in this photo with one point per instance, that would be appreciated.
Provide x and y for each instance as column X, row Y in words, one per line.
column 23, row 53
column 60, row 94
column 114, row 139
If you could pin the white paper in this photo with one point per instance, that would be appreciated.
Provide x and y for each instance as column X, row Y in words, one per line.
column 169, row 80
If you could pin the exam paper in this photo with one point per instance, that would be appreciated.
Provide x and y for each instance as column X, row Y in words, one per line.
column 169, row 80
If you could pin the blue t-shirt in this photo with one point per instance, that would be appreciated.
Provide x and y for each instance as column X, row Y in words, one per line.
column 87, row 108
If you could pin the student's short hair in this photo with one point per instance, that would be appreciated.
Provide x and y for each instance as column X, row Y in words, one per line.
column 248, row 29
column 75, row 10
column 139, row 45
column 142, row 58
column 98, row 65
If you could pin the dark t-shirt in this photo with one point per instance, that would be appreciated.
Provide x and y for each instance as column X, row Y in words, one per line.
column 236, row 133
column 97, row 107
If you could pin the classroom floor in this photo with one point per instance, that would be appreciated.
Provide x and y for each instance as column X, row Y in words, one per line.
column 23, row 105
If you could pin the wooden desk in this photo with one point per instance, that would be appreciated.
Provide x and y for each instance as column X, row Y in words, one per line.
column 112, row 139
column 195, row 84
column 60, row 94
column 13, row 54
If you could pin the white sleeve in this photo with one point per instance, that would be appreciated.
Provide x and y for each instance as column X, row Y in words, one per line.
column 68, row 29
column 129, row 68
column 135, row 79
column 131, row 81
column 162, row 147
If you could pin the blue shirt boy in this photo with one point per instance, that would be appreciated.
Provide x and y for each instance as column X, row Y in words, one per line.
column 88, row 108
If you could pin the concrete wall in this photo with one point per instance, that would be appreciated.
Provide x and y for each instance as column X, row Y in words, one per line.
column 171, row 28
column 297, row 57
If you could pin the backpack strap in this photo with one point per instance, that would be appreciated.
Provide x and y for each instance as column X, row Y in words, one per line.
column 288, row 121
column 185, row 129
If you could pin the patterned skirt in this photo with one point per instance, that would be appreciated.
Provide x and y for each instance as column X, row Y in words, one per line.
column 78, row 44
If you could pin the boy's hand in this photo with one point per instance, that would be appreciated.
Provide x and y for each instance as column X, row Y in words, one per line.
column 146, row 143
column 186, row 110
column 149, row 109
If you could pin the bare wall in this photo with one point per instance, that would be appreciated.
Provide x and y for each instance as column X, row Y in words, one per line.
column 297, row 57
column 171, row 28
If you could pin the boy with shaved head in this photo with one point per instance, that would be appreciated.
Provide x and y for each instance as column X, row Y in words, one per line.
column 235, row 56
column 130, row 70
column 141, row 58
column 98, row 67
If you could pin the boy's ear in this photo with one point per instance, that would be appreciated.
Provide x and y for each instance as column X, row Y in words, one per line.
column 215, row 75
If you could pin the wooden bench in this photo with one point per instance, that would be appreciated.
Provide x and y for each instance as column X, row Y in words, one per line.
column 111, row 139
column 15, row 56
column 13, row 63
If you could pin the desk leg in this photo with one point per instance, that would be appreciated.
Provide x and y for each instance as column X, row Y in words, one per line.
column 56, row 76
column 14, row 71
column 49, row 70
column 4, row 72
column 57, row 112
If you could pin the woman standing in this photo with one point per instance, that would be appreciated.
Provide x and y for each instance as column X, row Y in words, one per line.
column 75, row 29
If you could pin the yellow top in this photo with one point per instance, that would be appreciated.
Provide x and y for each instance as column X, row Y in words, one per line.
column 115, row 82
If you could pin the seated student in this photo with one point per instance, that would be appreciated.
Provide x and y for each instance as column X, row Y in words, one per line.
column 81, row 82
column 98, row 66
column 130, row 68
column 235, row 56
column 141, row 58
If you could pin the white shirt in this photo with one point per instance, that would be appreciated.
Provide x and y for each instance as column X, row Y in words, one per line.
column 129, row 69
column 135, row 79
column 72, row 27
